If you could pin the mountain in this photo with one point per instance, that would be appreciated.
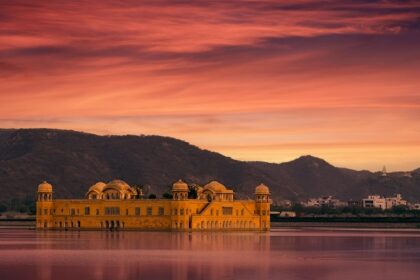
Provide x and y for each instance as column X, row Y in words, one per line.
column 72, row 161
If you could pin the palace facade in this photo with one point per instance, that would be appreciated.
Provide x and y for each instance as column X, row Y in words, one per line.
column 117, row 206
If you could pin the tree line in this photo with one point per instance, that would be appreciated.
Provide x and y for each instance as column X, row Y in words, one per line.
column 18, row 204
column 347, row 210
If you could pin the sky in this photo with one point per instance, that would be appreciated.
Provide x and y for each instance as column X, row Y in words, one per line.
column 253, row 80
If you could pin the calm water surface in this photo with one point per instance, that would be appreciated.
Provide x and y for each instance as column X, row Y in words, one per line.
column 280, row 254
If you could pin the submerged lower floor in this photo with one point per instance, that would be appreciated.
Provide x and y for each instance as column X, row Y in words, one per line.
column 159, row 224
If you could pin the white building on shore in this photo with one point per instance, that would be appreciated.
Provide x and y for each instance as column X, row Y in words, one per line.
column 325, row 201
column 415, row 206
column 376, row 201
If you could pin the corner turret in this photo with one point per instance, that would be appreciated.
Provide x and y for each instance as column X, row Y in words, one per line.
column 45, row 191
column 44, row 206
column 262, row 200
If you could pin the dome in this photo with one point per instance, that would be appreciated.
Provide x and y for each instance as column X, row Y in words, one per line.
column 262, row 189
column 215, row 186
column 117, row 184
column 179, row 186
column 44, row 187
column 98, row 187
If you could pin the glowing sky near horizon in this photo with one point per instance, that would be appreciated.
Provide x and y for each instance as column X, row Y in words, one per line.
column 254, row 80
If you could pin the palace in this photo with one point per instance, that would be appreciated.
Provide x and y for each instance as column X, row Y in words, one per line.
column 117, row 206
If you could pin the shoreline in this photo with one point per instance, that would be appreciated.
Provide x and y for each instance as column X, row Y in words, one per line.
column 28, row 224
column 364, row 225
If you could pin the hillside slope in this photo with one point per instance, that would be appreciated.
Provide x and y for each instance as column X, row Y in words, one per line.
column 72, row 161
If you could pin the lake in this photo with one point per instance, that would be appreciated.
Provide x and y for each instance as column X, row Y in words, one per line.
column 280, row 254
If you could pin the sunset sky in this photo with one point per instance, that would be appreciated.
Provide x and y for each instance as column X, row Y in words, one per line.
column 253, row 80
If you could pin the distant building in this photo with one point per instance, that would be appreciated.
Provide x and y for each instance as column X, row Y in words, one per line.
column 395, row 201
column 384, row 173
column 329, row 201
column 376, row 201
column 354, row 203
column 414, row 206
column 286, row 214
column 285, row 203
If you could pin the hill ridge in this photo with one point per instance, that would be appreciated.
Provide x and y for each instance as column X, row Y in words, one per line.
column 73, row 160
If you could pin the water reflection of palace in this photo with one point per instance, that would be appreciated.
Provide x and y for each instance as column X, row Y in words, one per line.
column 116, row 205
column 152, row 255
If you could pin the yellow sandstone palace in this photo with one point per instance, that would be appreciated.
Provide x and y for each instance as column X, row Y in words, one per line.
column 117, row 206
